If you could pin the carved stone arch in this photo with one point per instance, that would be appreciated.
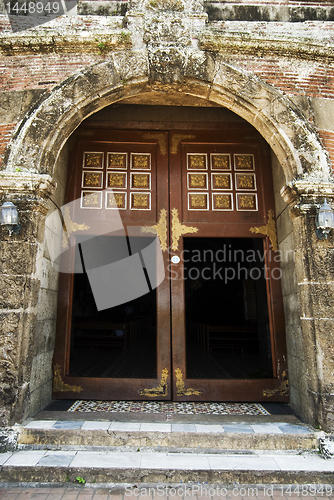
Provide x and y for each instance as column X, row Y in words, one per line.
column 42, row 133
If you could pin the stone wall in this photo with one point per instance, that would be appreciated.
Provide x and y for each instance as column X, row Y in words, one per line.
column 45, row 329
column 20, row 280
column 294, row 337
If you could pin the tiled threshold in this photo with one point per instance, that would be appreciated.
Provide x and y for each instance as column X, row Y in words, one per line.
column 58, row 410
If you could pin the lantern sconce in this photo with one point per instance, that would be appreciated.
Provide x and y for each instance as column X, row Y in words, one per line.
column 324, row 221
column 10, row 218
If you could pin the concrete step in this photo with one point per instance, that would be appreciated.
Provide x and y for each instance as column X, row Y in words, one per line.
column 236, row 436
column 133, row 468
column 105, row 451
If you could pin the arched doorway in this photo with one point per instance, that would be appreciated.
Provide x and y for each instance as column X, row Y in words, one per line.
column 213, row 328
column 304, row 164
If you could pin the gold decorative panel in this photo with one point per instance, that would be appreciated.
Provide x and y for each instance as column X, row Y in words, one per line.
column 197, row 181
column 140, row 181
column 92, row 179
column 196, row 161
column 116, row 200
column 221, row 181
column 117, row 160
column 245, row 181
column 244, row 162
column 91, row 199
column 160, row 229
column 116, row 180
column 246, row 201
column 222, row 201
column 198, row 201
column 161, row 390
column 141, row 161
column 140, row 201
column 220, row 161
column 93, row 160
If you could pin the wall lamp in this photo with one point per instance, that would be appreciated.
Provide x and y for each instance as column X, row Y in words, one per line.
column 324, row 221
column 10, row 218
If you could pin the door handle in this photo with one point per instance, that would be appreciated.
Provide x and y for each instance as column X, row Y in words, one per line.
column 179, row 229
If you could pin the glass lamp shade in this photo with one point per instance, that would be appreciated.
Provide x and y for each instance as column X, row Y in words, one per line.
column 9, row 216
column 325, row 219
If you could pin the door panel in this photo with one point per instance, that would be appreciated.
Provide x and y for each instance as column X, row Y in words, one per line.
column 116, row 344
column 196, row 191
column 225, row 191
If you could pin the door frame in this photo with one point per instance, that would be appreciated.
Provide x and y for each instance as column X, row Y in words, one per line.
column 237, row 390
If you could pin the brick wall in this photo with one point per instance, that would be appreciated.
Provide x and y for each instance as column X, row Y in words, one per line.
column 41, row 71
column 328, row 142
column 292, row 75
column 307, row 78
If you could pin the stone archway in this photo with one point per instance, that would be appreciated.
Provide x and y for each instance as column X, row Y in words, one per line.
column 43, row 132
column 40, row 137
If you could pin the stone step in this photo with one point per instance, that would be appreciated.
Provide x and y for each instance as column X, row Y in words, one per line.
column 133, row 468
column 51, row 434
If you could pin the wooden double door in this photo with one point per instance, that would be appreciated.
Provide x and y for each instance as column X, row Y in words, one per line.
column 188, row 307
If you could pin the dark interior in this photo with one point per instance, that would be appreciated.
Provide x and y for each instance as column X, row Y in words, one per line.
column 227, row 322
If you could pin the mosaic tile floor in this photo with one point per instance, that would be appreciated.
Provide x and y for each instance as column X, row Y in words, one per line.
column 181, row 408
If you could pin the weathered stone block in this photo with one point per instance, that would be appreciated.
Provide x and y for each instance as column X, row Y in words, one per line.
column 294, row 340
column 289, row 280
column 47, row 304
column 131, row 64
column 44, row 338
column 18, row 291
column 10, row 107
column 60, row 175
column 41, row 370
column 40, row 398
column 323, row 110
column 317, row 299
column 287, row 252
column 8, row 440
column 48, row 275
column 284, row 225
column 17, row 258
column 303, row 405
column 291, row 309
column 297, row 373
